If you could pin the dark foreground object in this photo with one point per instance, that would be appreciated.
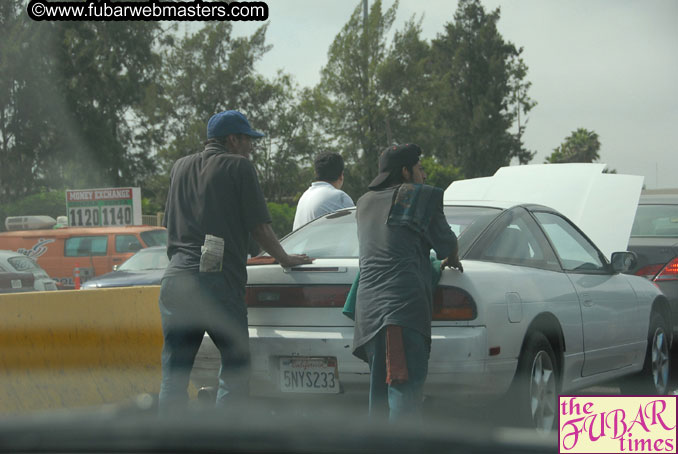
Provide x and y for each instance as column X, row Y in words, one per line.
column 255, row 428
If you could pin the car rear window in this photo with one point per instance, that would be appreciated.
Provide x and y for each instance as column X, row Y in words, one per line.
column 23, row 264
column 336, row 235
column 332, row 236
column 468, row 222
column 154, row 237
column 656, row 221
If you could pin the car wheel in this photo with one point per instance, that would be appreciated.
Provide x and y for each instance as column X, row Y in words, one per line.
column 654, row 378
column 535, row 390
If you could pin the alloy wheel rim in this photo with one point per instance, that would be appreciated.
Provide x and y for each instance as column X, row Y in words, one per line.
column 660, row 361
column 543, row 392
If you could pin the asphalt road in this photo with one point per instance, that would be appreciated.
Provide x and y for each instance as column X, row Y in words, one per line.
column 312, row 408
column 493, row 415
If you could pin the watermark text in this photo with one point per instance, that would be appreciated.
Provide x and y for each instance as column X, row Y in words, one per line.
column 153, row 10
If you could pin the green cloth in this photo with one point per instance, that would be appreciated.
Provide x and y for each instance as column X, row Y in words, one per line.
column 349, row 306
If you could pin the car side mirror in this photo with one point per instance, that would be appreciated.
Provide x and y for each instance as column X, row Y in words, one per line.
column 623, row 261
column 115, row 267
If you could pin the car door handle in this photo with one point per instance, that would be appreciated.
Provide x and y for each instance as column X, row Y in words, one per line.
column 317, row 269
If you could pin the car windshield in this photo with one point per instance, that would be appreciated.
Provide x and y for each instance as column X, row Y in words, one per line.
column 312, row 239
column 21, row 264
column 656, row 220
column 146, row 259
column 154, row 237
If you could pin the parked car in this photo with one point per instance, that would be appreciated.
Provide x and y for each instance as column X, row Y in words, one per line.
column 14, row 262
column 538, row 311
column 654, row 238
column 11, row 282
column 92, row 250
column 146, row 267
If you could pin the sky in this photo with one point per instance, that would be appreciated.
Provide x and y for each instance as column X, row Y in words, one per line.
column 610, row 66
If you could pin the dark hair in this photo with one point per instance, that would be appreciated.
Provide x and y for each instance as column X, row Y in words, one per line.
column 396, row 176
column 328, row 166
column 223, row 141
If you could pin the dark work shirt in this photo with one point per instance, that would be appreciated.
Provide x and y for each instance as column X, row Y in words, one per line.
column 395, row 268
column 217, row 193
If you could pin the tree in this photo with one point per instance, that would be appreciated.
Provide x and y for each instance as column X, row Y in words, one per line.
column 411, row 97
column 209, row 71
column 282, row 217
column 285, row 154
column 459, row 98
column 71, row 96
column 404, row 80
column 580, row 146
column 48, row 203
column 349, row 91
column 439, row 175
column 479, row 81
column 204, row 73
column 105, row 70
column 25, row 126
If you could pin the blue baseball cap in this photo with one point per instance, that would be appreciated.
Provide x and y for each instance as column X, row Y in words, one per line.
column 230, row 122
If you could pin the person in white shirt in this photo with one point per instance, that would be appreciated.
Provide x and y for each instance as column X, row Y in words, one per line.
column 325, row 194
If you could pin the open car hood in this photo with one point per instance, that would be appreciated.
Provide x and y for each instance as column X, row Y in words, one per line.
column 602, row 205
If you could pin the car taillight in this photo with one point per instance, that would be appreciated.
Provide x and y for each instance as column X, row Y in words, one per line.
column 649, row 271
column 453, row 304
column 297, row 296
column 669, row 272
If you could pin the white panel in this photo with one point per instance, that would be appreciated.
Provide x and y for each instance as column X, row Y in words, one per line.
column 473, row 189
column 611, row 207
column 563, row 187
column 602, row 205
column 136, row 206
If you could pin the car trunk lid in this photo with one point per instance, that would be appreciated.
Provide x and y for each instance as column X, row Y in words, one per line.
column 298, row 296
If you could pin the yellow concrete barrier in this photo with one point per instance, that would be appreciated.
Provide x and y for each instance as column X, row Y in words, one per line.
column 70, row 349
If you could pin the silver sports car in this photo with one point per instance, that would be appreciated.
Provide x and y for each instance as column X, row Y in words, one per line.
column 538, row 311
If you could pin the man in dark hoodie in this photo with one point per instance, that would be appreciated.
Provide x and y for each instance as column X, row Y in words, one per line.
column 399, row 221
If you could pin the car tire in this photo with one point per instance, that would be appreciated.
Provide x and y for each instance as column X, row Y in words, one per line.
column 655, row 376
column 534, row 393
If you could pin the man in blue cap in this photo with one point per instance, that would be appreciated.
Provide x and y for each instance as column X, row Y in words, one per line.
column 214, row 204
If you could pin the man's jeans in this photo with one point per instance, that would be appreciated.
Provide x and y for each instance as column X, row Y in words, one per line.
column 401, row 401
column 190, row 304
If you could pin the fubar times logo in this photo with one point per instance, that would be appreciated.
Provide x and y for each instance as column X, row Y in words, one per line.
column 617, row 424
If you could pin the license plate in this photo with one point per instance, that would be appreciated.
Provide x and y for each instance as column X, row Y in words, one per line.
column 309, row 375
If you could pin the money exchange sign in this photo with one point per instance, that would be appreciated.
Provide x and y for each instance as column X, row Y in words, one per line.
column 103, row 207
